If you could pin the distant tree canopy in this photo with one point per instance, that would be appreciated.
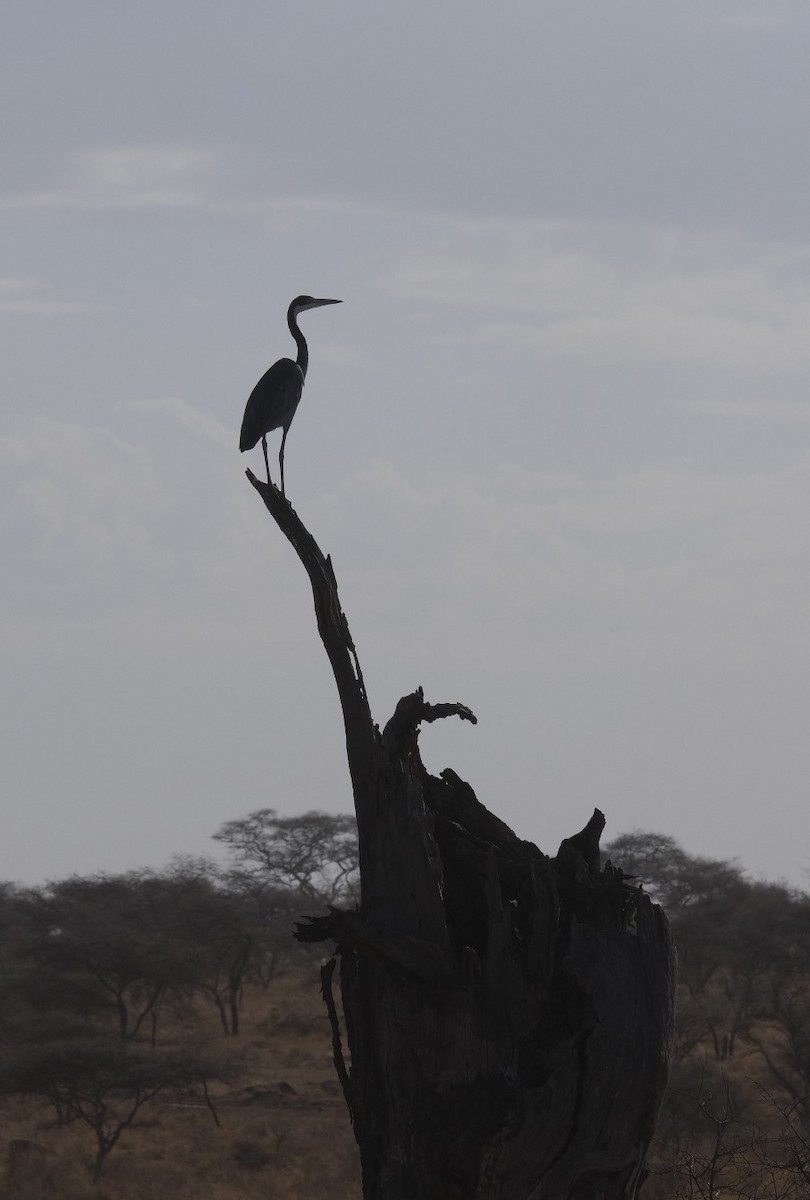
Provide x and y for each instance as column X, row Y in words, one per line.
column 736, row 1118
column 120, row 948
column 675, row 879
column 316, row 854
column 107, row 944
column 744, row 958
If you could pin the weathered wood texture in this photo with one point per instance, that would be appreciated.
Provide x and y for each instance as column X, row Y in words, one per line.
column 509, row 1015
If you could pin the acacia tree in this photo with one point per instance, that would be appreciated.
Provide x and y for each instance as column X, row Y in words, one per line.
column 103, row 1086
column 272, row 913
column 224, row 937
column 509, row 1015
column 125, row 947
column 676, row 880
column 315, row 854
column 105, row 944
column 782, row 1036
column 742, row 952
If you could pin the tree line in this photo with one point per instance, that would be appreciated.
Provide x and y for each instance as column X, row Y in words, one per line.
column 91, row 966
column 736, row 1117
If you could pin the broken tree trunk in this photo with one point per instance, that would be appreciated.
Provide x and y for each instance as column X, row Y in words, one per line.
column 509, row 1015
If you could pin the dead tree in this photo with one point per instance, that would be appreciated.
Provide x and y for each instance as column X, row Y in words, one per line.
column 509, row 1015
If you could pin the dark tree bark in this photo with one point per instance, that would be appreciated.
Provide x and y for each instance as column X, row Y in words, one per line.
column 509, row 1015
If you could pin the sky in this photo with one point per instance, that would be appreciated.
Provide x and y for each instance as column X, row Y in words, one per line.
column 556, row 438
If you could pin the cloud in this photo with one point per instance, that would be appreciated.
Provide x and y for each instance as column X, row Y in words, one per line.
column 177, row 178
column 613, row 292
column 117, row 531
column 153, row 527
column 753, row 18
column 677, row 559
column 120, row 178
column 24, row 296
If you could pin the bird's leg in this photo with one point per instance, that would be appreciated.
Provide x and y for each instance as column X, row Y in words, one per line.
column 281, row 459
column 266, row 463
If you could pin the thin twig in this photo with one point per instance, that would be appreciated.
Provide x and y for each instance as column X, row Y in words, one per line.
column 327, row 971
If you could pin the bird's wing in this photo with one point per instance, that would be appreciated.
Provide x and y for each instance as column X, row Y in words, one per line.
column 272, row 403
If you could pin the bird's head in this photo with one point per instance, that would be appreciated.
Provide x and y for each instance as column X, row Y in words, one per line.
column 302, row 303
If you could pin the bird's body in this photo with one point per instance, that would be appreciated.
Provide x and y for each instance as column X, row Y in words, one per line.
column 284, row 382
column 273, row 401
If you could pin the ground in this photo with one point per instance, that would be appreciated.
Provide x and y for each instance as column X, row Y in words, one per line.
column 285, row 1128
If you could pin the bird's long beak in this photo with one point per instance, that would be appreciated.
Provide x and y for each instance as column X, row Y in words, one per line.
column 318, row 303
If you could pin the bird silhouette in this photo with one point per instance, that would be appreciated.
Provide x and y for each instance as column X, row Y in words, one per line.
column 273, row 401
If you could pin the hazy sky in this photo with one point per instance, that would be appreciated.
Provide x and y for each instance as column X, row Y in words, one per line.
column 556, row 438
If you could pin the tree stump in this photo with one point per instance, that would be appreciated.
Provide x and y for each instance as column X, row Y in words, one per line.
column 509, row 1015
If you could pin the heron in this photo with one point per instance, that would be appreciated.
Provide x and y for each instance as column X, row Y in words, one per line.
column 273, row 401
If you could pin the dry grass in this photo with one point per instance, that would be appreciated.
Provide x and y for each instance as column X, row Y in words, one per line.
column 285, row 1130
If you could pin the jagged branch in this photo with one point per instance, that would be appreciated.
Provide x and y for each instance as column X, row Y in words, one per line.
column 327, row 971
column 399, row 735
column 419, row 958
column 334, row 630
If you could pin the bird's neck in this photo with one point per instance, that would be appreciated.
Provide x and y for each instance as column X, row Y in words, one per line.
column 300, row 341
